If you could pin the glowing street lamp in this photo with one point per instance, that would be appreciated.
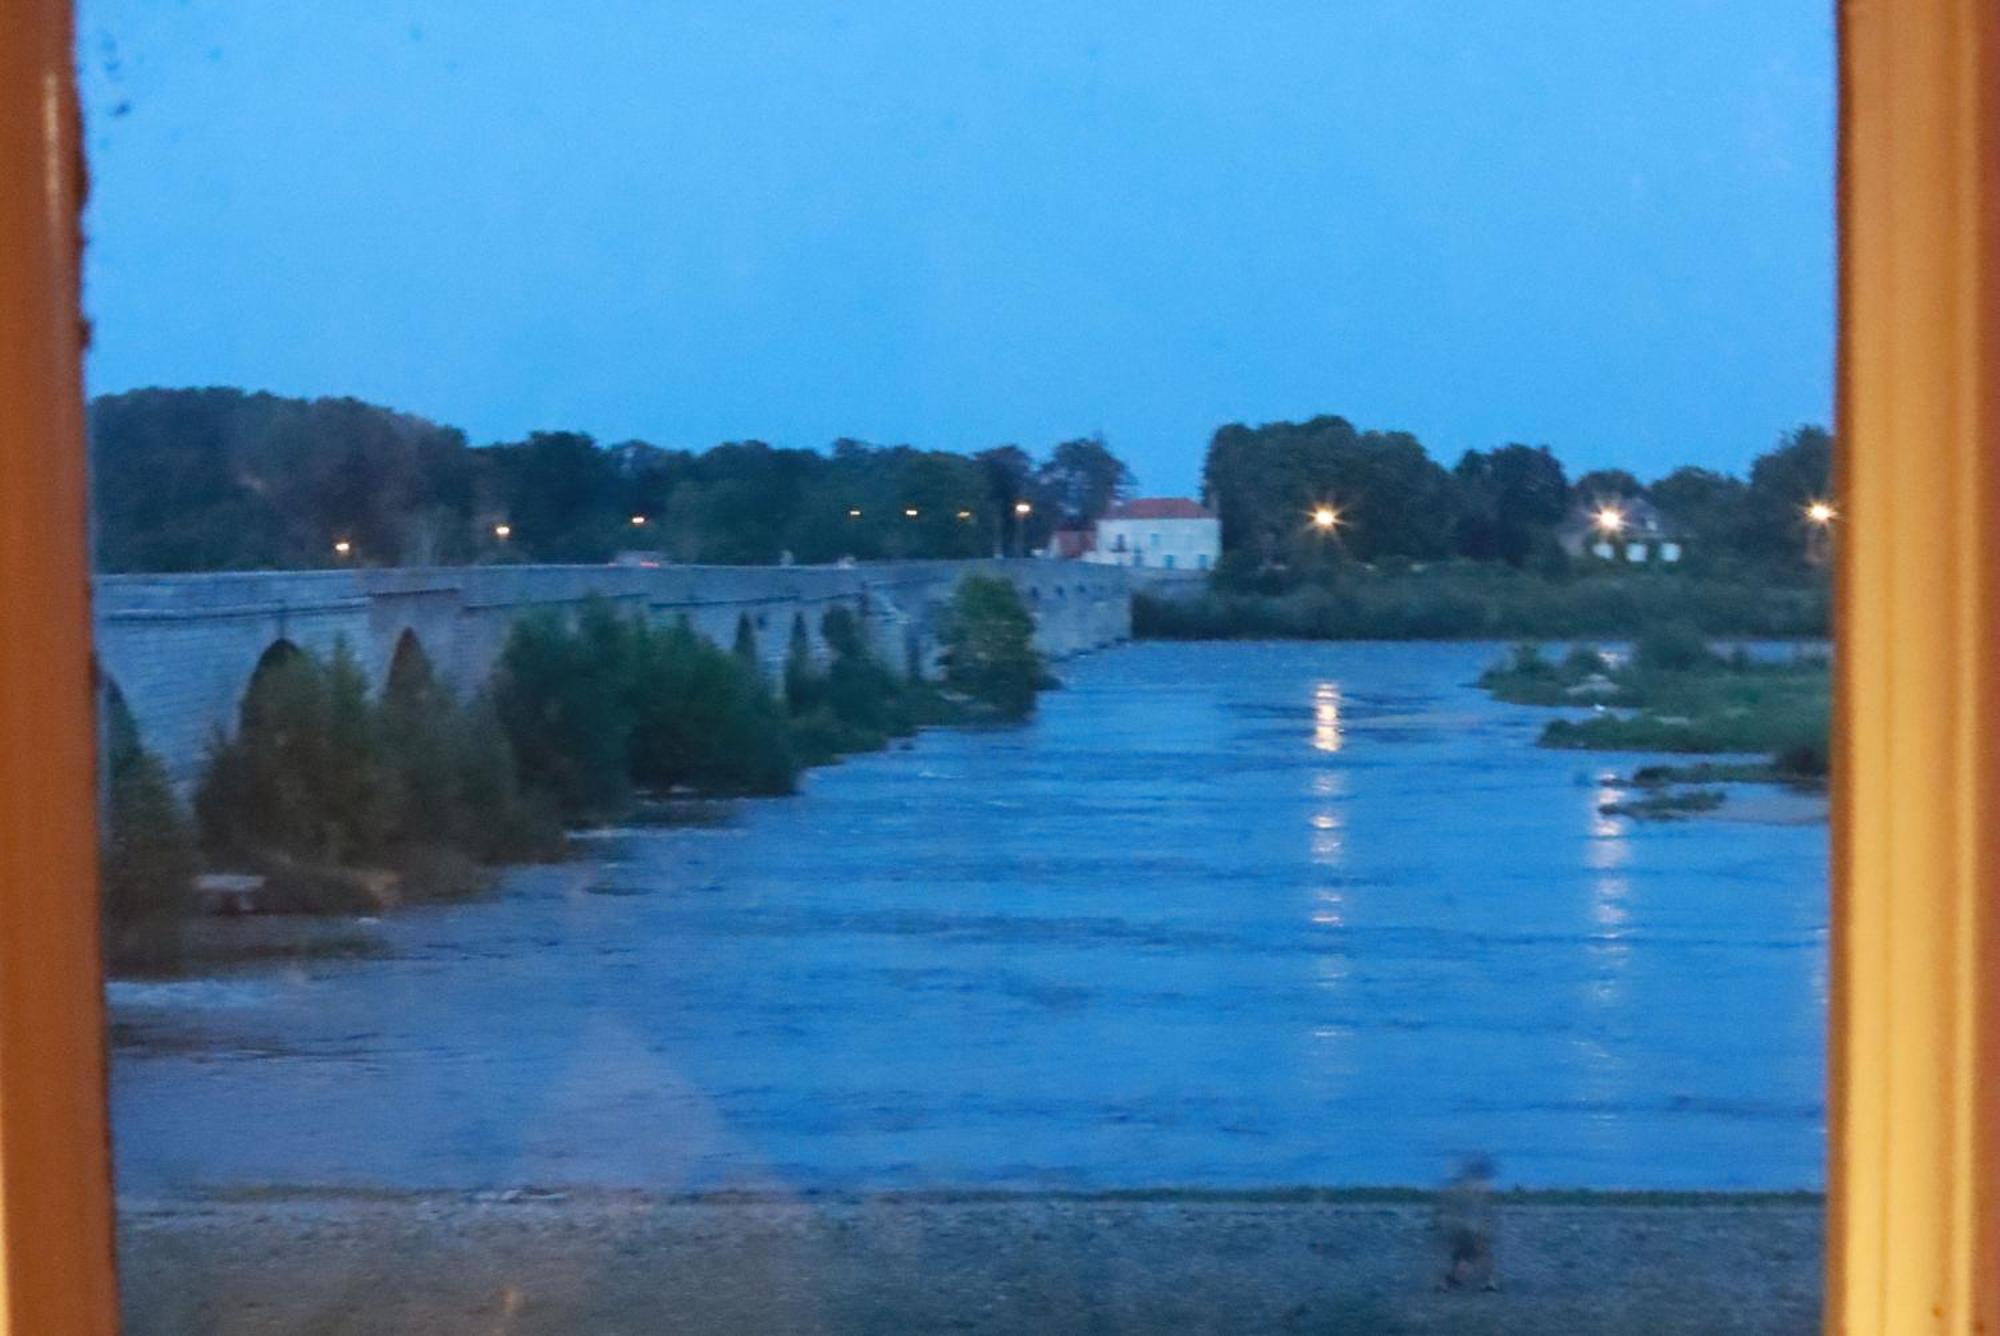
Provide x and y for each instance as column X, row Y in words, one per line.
column 638, row 521
column 909, row 512
column 1325, row 519
column 1610, row 520
column 1023, row 509
column 964, row 515
column 854, row 512
column 1820, row 516
column 503, row 531
column 342, row 548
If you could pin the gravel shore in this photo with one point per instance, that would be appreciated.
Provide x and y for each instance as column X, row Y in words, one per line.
column 526, row 1263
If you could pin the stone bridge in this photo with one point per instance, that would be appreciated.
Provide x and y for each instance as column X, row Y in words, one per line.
column 181, row 649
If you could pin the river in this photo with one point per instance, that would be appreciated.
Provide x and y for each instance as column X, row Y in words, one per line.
column 1224, row 915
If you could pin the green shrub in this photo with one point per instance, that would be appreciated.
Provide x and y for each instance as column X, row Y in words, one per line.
column 1584, row 661
column 148, row 859
column 989, row 649
column 1527, row 661
column 820, row 737
column 452, row 776
column 304, row 773
column 860, row 690
column 805, row 685
column 702, row 719
column 347, row 804
column 1675, row 648
column 563, row 696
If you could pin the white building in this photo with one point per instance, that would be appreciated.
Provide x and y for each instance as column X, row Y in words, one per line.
column 1628, row 529
column 1168, row 533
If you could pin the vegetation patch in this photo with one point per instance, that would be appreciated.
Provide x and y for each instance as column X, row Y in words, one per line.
column 1710, row 772
column 342, row 803
column 1665, row 804
column 1675, row 694
column 1466, row 600
column 148, row 861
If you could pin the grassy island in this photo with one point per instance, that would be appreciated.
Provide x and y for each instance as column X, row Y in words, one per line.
column 1674, row 693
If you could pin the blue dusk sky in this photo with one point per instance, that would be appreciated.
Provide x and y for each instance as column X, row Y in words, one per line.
column 1603, row 225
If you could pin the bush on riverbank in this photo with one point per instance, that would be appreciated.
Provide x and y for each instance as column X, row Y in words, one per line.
column 856, row 704
column 1475, row 601
column 346, row 803
column 595, row 707
column 702, row 719
column 989, row 652
column 148, row 858
column 562, row 692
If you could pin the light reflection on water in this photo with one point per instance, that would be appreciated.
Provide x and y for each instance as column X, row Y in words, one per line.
column 1326, row 716
column 1225, row 914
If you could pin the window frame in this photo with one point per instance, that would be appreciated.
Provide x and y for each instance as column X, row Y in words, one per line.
column 1913, row 1222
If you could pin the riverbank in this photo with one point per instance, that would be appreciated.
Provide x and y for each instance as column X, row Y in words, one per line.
column 1358, row 1262
column 1488, row 601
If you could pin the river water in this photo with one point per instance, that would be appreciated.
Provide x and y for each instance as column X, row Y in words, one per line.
column 1223, row 915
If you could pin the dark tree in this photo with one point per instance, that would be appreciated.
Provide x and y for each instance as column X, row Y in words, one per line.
column 1606, row 485
column 1705, row 506
column 1510, row 499
column 1266, row 483
column 1082, row 479
column 1783, row 482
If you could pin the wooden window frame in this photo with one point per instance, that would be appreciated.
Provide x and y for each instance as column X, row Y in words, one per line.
column 1914, row 1107
column 1913, row 1216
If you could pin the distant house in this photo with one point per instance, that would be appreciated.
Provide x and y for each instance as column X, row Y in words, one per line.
column 1168, row 533
column 1628, row 529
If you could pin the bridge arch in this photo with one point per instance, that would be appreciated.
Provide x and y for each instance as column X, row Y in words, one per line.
column 277, row 656
column 745, row 645
column 114, row 714
column 410, row 668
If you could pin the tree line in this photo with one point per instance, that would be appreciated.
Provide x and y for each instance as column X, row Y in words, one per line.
column 216, row 479
column 1392, row 500
column 205, row 479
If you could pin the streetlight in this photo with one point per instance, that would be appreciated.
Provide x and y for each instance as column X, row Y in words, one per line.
column 503, row 531
column 1325, row 518
column 964, row 515
column 342, row 548
column 909, row 512
column 1820, row 516
column 854, row 512
column 1022, row 509
column 1610, row 519
column 638, row 521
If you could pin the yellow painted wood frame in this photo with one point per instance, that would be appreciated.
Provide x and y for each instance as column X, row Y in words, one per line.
column 1913, row 1239
column 55, row 1181
column 1914, row 1245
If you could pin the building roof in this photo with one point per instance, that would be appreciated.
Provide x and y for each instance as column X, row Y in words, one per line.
column 1160, row 508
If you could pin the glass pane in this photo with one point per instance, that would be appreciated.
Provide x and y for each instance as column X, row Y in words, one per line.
column 817, row 667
